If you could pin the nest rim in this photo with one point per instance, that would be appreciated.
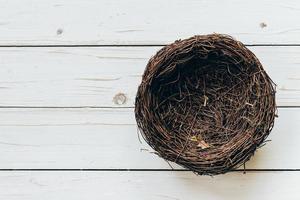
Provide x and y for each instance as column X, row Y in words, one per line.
column 205, row 103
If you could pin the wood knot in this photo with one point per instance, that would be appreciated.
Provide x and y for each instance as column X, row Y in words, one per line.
column 120, row 99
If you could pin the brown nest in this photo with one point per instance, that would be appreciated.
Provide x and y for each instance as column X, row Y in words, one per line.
column 205, row 103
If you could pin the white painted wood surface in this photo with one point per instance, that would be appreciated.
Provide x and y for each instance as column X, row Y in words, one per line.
column 62, row 106
column 148, row 185
column 146, row 22
column 68, row 77
column 108, row 139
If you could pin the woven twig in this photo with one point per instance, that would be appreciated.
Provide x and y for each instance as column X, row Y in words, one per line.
column 205, row 103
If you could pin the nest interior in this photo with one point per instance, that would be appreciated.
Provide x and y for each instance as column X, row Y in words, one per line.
column 205, row 103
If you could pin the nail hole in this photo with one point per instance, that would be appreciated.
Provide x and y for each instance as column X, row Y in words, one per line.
column 59, row 31
column 263, row 25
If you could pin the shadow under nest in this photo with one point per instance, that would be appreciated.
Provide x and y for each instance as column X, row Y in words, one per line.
column 205, row 103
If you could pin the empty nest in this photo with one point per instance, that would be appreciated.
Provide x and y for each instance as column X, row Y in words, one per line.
column 205, row 103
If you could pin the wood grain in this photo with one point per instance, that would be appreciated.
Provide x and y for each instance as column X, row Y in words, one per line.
column 108, row 139
column 148, row 185
column 109, row 77
column 152, row 22
column 66, row 100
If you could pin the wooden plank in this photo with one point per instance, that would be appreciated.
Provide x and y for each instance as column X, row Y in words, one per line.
column 86, row 77
column 108, row 139
column 148, row 185
column 152, row 22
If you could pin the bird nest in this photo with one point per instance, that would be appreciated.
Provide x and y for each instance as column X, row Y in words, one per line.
column 205, row 103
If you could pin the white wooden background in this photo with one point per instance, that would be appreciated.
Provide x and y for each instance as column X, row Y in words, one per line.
column 69, row 71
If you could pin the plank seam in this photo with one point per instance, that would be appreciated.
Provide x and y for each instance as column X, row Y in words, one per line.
column 131, row 45
column 153, row 170
column 91, row 107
